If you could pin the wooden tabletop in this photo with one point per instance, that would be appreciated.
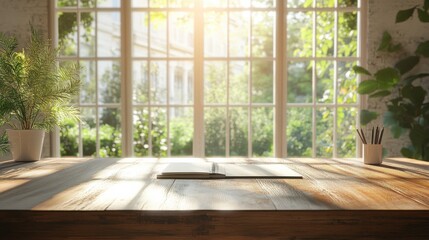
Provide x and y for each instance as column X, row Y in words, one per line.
column 77, row 198
column 131, row 184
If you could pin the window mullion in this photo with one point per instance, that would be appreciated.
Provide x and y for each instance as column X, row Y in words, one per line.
column 362, row 55
column 314, row 107
column 169, row 76
column 149, row 63
column 249, row 91
column 198, row 143
column 80, row 129
column 97, row 117
column 227, row 127
column 126, row 90
column 335, row 110
column 55, row 133
column 279, row 123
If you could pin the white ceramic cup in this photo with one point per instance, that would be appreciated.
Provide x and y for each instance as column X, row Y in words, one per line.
column 372, row 154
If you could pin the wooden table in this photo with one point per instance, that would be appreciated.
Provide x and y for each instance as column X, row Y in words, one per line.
column 122, row 199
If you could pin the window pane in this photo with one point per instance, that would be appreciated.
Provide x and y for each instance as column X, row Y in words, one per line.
column 140, row 34
column 299, row 132
column 262, row 81
column 347, row 34
column 347, row 82
column 347, row 3
column 67, row 33
column 141, row 132
column 263, row 33
column 150, row 126
column 238, row 82
column 88, row 87
column 87, row 3
column 325, row 32
column 238, row 131
column 69, row 138
column 181, row 131
column 324, row 132
column 215, row 3
column 262, row 132
column 70, row 134
column 181, row 3
column 158, row 81
column 87, row 35
column 89, row 132
column 215, row 77
column 110, row 132
column 109, row 82
column 239, row 3
column 181, row 82
column 108, row 34
column 214, row 131
column 299, row 86
column 239, row 33
column 263, row 3
column 325, row 81
column 158, row 34
column 158, row 3
column 346, row 137
column 158, row 134
column 139, row 3
column 299, row 3
column 325, row 3
column 109, row 3
column 66, row 3
column 215, row 34
column 140, row 82
column 299, row 34
column 181, row 40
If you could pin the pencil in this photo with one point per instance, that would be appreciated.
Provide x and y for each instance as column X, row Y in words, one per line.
column 376, row 135
column 381, row 135
column 359, row 135
column 363, row 136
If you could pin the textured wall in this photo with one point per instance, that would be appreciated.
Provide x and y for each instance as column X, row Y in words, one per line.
column 15, row 16
column 381, row 17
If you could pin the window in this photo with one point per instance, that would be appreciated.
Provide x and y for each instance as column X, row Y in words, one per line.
column 211, row 78
column 239, row 62
column 321, row 105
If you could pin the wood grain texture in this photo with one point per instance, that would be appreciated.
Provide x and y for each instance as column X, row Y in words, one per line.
column 203, row 224
column 120, row 198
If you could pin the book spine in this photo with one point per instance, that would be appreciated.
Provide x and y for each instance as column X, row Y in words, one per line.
column 214, row 168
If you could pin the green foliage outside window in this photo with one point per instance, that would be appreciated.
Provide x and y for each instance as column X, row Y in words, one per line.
column 299, row 120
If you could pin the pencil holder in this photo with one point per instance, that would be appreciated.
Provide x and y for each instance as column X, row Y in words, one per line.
column 372, row 154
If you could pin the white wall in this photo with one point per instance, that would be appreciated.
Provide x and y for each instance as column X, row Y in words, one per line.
column 381, row 17
column 15, row 16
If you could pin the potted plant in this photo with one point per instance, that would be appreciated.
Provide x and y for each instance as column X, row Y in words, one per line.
column 406, row 92
column 35, row 92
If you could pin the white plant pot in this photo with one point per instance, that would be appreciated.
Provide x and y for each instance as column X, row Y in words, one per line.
column 26, row 145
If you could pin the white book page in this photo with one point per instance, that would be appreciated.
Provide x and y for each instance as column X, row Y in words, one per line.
column 259, row 171
column 188, row 168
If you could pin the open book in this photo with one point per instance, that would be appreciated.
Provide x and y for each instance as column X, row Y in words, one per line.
column 201, row 170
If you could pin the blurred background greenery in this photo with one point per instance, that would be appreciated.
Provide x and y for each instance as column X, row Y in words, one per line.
column 325, row 67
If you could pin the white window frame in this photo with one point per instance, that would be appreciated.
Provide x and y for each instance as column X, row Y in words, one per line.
column 361, row 57
column 280, row 78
